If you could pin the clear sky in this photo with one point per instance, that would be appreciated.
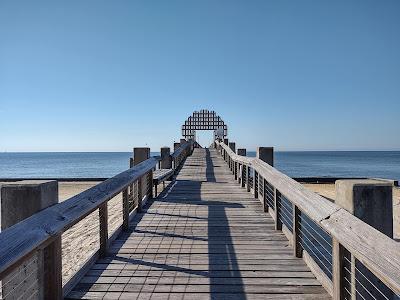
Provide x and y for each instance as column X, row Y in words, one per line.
column 110, row 75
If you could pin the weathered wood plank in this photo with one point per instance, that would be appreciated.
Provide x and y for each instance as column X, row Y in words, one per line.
column 203, row 236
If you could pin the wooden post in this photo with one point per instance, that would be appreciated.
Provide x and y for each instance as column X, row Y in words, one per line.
column 266, row 207
column 236, row 173
column 248, row 179
column 278, row 222
column 52, row 273
column 150, row 184
column 370, row 201
column 20, row 200
column 255, row 184
column 125, row 210
column 166, row 159
column 139, row 195
column 140, row 154
column 242, row 181
column 103, row 218
column 337, row 270
column 242, row 152
column 297, row 249
column 266, row 154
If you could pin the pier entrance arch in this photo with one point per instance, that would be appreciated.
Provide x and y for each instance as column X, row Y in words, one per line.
column 204, row 120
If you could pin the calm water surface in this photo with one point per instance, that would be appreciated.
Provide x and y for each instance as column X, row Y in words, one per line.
column 385, row 164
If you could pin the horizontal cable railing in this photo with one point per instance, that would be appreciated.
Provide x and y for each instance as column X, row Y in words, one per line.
column 41, row 233
column 356, row 260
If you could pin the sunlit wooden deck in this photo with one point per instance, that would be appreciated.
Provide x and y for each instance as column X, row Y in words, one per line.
column 204, row 237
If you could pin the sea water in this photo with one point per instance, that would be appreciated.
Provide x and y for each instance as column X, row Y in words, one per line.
column 382, row 164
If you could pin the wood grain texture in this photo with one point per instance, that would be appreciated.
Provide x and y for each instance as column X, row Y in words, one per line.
column 204, row 237
column 380, row 254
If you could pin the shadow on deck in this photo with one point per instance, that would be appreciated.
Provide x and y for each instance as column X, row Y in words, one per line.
column 202, row 238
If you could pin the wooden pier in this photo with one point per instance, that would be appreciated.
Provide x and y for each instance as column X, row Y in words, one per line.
column 203, row 238
column 226, row 226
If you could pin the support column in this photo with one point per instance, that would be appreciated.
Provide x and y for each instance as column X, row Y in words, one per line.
column 19, row 201
column 372, row 202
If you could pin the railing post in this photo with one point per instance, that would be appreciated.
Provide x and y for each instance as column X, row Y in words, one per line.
column 248, row 179
column 255, row 184
column 266, row 207
column 337, row 270
column 140, row 154
column 372, row 202
column 278, row 221
column 125, row 210
column 19, row 201
column 297, row 249
column 242, row 181
column 226, row 142
column 52, row 273
column 241, row 152
column 150, row 184
column 235, row 170
column 265, row 154
column 103, row 218
column 232, row 146
column 239, row 172
column 176, row 145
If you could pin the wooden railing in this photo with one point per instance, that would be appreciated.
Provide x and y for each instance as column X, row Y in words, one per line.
column 39, row 236
column 350, row 258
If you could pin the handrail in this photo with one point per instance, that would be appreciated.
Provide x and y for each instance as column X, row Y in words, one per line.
column 35, row 232
column 376, row 251
column 181, row 148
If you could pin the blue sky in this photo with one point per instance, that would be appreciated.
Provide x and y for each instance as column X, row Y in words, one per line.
column 110, row 75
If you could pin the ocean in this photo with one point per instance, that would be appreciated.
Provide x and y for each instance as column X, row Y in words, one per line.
column 382, row 164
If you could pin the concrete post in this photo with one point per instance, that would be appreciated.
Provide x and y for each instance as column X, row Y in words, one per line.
column 176, row 146
column 266, row 154
column 166, row 159
column 226, row 142
column 183, row 141
column 141, row 154
column 370, row 201
column 20, row 200
column 241, row 151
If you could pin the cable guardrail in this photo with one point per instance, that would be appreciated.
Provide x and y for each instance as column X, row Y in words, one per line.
column 357, row 260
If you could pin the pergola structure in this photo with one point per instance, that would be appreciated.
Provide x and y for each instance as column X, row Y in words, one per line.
column 204, row 120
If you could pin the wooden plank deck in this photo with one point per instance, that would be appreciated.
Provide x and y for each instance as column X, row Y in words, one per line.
column 204, row 237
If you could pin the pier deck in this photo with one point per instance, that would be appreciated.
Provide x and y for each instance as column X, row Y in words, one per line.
column 204, row 237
